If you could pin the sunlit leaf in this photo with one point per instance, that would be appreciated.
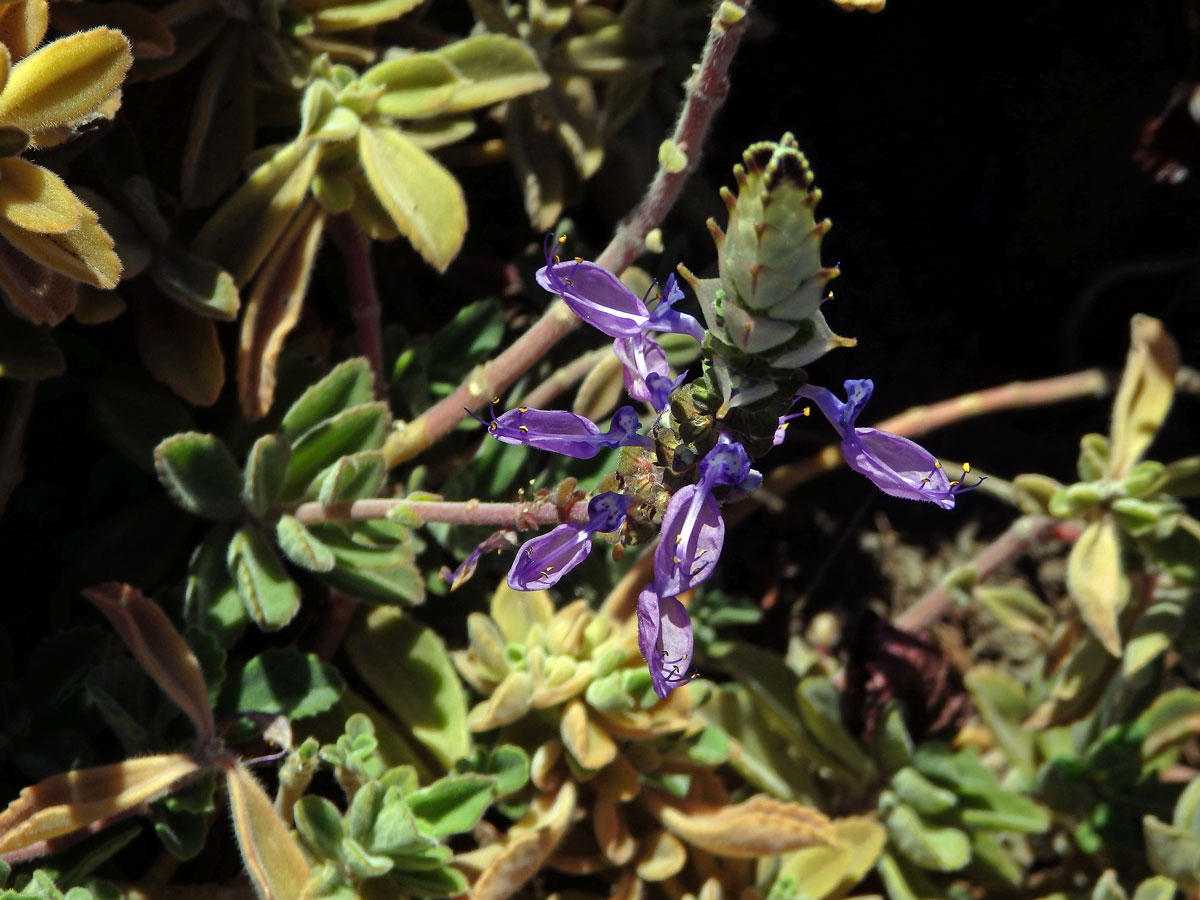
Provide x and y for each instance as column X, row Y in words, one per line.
column 275, row 863
column 36, row 199
column 1097, row 581
column 269, row 595
column 1144, row 397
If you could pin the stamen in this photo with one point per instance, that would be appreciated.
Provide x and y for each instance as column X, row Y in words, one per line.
column 579, row 259
column 966, row 468
column 524, row 428
column 522, row 409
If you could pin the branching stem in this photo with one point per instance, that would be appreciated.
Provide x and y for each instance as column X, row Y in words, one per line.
column 471, row 512
column 705, row 92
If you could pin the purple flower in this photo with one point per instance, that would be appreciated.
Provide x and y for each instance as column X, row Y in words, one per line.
column 564, row 432
column 665, row 639
column 693, row 531
column 598, row 297
column 547, row 558
column 505, row 537
column 898, row 466
column 647, row 375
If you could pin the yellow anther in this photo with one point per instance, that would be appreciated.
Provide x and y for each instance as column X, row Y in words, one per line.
column 562, row 239
column 678, row 539
column 937, row 463
column 579, row 259
column 966, row 468
column 495, row 400
column 523, row 428
column 677, row 560
column 568, row 281
column 806, row 411
column 522, row 409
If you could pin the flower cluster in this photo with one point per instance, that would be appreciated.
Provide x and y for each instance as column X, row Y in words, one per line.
column 692, row 531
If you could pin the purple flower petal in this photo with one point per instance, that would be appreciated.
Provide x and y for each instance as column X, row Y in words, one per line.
column 606, row 512
column 664, row 318
column 505, row 537
column 693, row 533
column 897, row 466
column 641, row 357
column 566, row 433
column 547, row 558
column 593, row 293
column 665, row 639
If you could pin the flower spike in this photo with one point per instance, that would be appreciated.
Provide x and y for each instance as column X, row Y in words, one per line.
column 564, row 432
column 545, row 559
column 665, row 639
column 898, row 467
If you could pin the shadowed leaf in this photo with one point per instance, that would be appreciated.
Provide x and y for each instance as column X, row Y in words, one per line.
column 262, row 479
column 180, row 349
column 269, row 595
column 159, row 649
column 221, row 134
column 27, row 350
column 283, row 682
column 1097, row 581
column 200, row 474
column 273, row 309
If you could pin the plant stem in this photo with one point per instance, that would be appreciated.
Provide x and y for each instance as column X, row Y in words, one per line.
column 364, row 294
column 923, row 419
column 563, row 378
column 705, row 92
column 1024, row 533
column 521, row 516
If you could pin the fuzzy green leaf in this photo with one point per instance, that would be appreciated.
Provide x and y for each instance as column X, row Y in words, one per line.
column 301, row 546
column 415, row 86
column 354, row 477
column 320, row 824
column 348, row 384
column 452, row 805
column 270, row 597
column 262, row 479
column 283, row 682
column 200, row 474
column 353, row 431
column 930, row 847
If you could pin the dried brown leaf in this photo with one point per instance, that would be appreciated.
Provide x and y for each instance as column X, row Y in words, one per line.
column 532, row 840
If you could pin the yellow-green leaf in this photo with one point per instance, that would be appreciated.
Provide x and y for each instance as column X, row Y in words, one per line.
column 23, row 25
column 199, row 284
column 250, row 223
column 274, row 861
column 416, row 86
column 759, row 826
column 407, row 665
column 422, row 198
column 1097, row 581
column 1144, row 397
column 66, row 80
column 346, row 16
column 85, row 253
column 36, row 199
column 494, row 67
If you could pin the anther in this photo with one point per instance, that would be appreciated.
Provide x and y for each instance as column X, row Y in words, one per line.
column 524, row 428
column 522, row 409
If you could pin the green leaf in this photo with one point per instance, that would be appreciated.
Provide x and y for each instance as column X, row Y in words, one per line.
column 320, row 825
column 348, row 16
column 443, row 882
column 1182, row 477
column 452, row 805
column 819, row 705
column 1002, row 704
column 1156, row 888
column 921, row 794
column 301, row 547
column 507, row 765
column 407, row 666
column 362, row 863
column 283, row 682
column 930, row 847
column 422, row 198
column 1108, row 888
column 892, row 744
column 211, row 599
column 270, row 597
column 1178, row 553
column 394, row 828
column 1172, row 852
column 200, row 474
column 1097, row 581
column 415, row 86
column 354, row 477
column 353, row 431
column 1008, row 812
column 262, row 479
column 1172, row 718
column 494, row 67
column 348, row 384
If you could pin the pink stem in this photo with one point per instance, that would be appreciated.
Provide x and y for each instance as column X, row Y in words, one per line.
column 471, row 512
column 364, row 295
column 705, row 93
